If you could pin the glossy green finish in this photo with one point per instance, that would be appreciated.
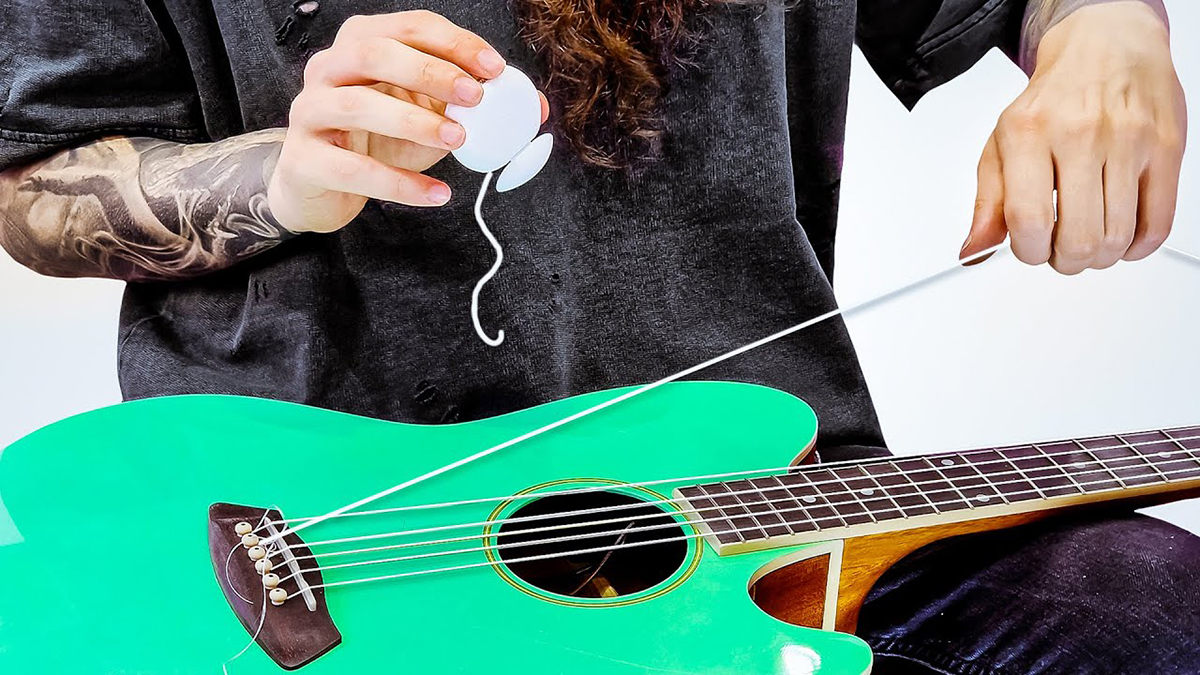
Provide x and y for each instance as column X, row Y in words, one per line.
column 107, row 569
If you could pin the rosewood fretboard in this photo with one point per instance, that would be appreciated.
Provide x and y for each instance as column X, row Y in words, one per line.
column 849, row 499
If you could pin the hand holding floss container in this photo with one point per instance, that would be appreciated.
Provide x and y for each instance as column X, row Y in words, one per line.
column 502, row 133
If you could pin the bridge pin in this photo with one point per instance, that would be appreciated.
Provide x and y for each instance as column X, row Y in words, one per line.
column 243, row 528
column 249, row 540
column 278, row 595
column 257, row 553
column 270, row 580
column 263, row 566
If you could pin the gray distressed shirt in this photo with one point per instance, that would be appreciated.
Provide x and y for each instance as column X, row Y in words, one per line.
column 610, row 278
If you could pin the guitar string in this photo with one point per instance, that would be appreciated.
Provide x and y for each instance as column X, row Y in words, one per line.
column 1183, row 254
column 271, row 550
column 867, row 511
column 838, row 311
column 262, row 616
column 729, row 474
column 565, row 554
column 568, row 419
column 983, row 497
column 1171, row 441
column 1174, row 443
column 811, row 502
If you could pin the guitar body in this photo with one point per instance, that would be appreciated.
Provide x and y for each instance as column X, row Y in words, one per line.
column 106, row 562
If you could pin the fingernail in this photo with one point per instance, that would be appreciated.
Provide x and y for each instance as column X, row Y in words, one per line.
column 966, row 244
column 468, row 90
column 490, row 61
column 438, row 194
column 451, row 134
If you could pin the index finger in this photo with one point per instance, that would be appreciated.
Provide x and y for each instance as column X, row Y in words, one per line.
column 431, row 33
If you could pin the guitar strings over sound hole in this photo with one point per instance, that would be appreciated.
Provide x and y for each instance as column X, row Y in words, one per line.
column 620, row 569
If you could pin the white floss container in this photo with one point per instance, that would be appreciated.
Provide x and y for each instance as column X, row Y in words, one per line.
column 502, row 131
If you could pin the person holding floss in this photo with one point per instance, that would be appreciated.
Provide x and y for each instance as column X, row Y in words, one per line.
column 502, row 133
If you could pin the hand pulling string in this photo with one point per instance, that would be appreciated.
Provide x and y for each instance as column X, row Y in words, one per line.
column 958, row 266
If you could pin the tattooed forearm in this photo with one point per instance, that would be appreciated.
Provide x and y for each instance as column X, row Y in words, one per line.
column 142, row 209
column 1042, row 15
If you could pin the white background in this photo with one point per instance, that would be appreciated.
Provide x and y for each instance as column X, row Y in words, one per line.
column 1001, row 353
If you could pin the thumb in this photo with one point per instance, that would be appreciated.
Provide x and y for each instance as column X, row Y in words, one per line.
column 987, row 227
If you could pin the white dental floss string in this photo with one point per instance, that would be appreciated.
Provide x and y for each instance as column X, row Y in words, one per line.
column 1182, row 254
column 491, row 342
column 262, row 618
column 957, row 267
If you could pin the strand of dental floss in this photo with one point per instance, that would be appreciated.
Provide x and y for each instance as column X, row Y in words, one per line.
column 501, row 135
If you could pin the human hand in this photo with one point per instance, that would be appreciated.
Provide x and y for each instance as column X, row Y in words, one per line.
column 370, row 118
column 1104, row 122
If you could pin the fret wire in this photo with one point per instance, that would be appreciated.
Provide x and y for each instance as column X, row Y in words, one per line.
column 883, row 490
column 1179, row 444
column 1069, row 476
column 731, row 518
column 915, row 486
column 987, row 481
column 819, row 498
column 928, row 502
column 798, row 506
column 853, row 495
column 756, row 518
column 767, row 503
column 949, row 482
column 733, row 527
column 1091, row 454
column 805, row 515
column 741, row 504
column 1143, row 457
column 712, row 515
column 1021, row 471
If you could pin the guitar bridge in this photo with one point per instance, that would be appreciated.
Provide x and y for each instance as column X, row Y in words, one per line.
column 293, row 633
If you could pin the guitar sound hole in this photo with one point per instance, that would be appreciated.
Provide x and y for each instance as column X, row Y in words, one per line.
column 630, row 562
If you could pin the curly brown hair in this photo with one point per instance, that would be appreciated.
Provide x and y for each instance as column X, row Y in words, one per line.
column 607, row 64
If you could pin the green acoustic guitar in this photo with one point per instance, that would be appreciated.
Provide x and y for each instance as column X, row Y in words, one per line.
column 667, row 534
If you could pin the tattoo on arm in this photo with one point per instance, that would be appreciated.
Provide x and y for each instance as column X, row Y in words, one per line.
column 142, row 209
column 1042, row 15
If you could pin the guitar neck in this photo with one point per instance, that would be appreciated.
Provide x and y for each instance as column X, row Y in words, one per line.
column 853, row 499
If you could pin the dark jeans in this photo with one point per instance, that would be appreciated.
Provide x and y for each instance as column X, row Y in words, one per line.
column 1119, row 594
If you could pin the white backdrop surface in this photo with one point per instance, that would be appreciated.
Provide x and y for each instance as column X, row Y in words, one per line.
column 1005, row 353
column 1000, row 354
